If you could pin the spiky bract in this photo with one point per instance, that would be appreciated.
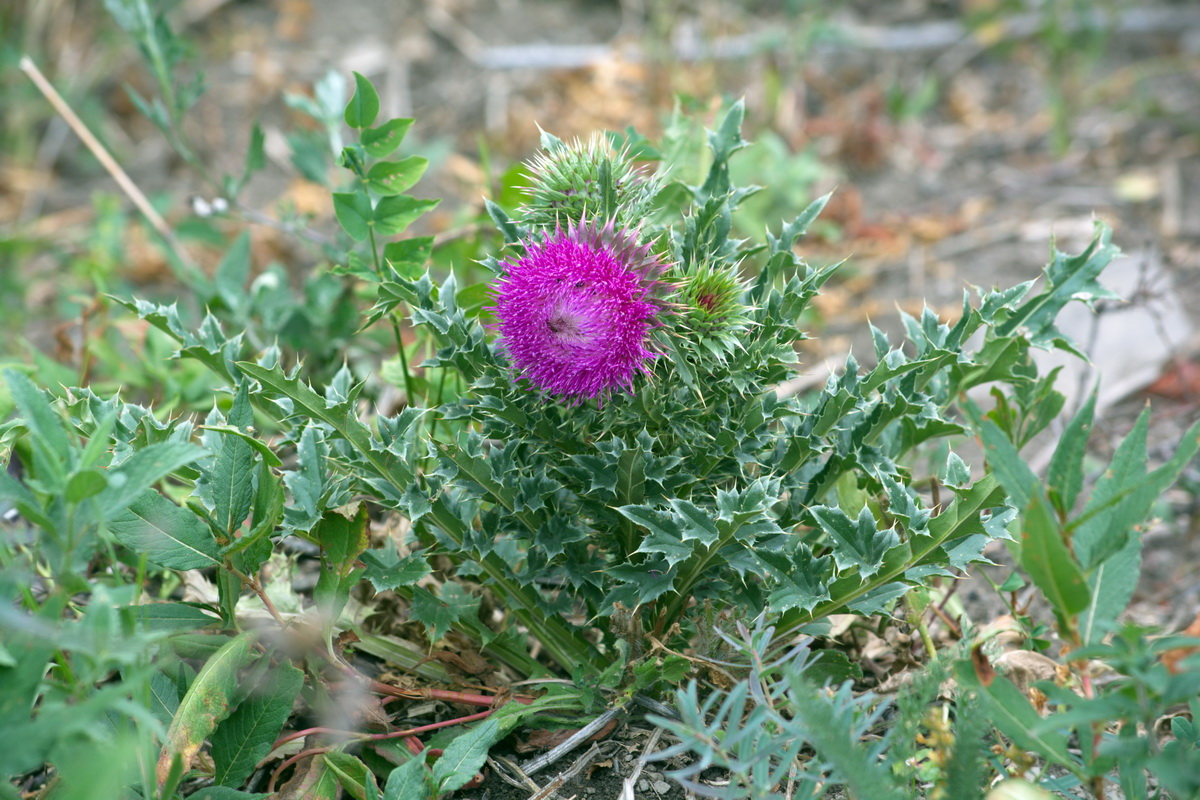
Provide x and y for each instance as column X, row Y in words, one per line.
column 587, row 181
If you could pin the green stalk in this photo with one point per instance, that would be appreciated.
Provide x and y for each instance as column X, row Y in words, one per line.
column 408, row 384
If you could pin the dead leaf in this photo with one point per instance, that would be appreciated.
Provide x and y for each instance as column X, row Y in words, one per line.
column 983, row 667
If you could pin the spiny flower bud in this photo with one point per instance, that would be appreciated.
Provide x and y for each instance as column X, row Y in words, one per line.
column 708, row 301
column 575, row 312
column 587, row 181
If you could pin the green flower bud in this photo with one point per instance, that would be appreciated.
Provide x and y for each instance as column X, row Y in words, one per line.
column 587, row 181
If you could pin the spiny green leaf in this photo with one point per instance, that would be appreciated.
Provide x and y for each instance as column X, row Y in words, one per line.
column 227, row 485
column 387, row 570
column 856, row 542
column 440, row 613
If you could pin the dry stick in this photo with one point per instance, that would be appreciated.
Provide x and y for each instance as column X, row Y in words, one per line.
column 107, row 161
column 631, row 781
column 577, row 738
column 570, row 772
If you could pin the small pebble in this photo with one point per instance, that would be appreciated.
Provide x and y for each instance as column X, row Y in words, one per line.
column 662, row 787
column 643, row 785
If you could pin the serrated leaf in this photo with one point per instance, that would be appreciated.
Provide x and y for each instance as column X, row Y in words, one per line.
column 856, row 542
column 696, row 523
column 227, row 485
column 363, row 107
column 463, row 757
column 166, row 534
column 207, row 702
column 671, row 548
column 657, row 522
column 394, row 177
column 393, row 214
column 382, row 141
column 439, row 614
column 246, row 736
column 342, row 538
column 956, row 474
column 387, row 570
column 1068, row 278
column 354, row 214
column 1065, row 476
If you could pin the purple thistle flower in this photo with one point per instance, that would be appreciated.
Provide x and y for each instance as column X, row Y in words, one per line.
column 575, row 312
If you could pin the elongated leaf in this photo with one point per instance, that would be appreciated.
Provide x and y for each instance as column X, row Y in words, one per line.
column 464, row 756
column 233, row 272
column 166, row 534
column 172, row 617
column 146, row 467
column 206, row 703
column 394, row 214
column 1065, row 477
column 1050, row 564
column 36, row 410
column 1012, row 713
column 246, row 736
column 228, row 484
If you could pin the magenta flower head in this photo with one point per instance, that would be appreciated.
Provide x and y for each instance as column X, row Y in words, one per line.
column 576, row 311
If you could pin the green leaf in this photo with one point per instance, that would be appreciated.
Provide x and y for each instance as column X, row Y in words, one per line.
column 657, row 522
column 439, row 614
column 84, row 484
column 1065, row 476
column 409, row 256
column 1011, row 712
column 38, row 414
column 1007, row 465
column 166, row 534
column 696, row 523
column 256, row 154
column 207, row 702
column 382, row 141
column 1050, row 564
column 1068, row 278
column 463, row 757
column 225, row 793
column 669, row 546
column 857, row 542
column 146, row 467
column 342, row 538
column 394, row 177
column 354, row 213
column 233, row 272
column 352, row 774
column 172, row 617
column 387, row 570
column 412, row 781
column 227, row 485
column 246, row 736
column 394, row 214
column 363, row 106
